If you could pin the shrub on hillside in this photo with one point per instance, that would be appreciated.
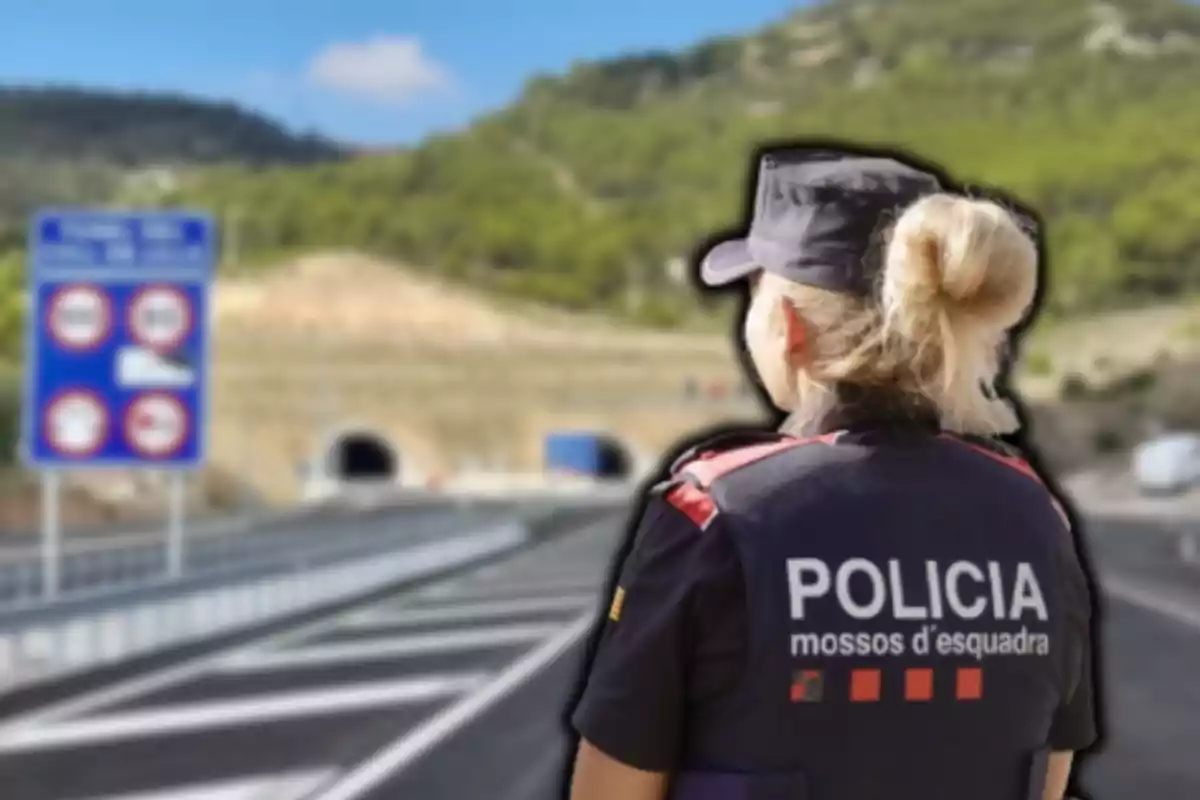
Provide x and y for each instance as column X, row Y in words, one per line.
column 10, row 418
column 1039, row 363
column 1073, row 387
column 12, row 306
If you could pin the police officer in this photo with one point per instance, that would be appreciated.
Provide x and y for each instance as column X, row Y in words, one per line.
column 880, row 601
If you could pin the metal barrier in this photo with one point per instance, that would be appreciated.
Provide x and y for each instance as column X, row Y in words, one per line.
column 73, row 643
column 107, row 564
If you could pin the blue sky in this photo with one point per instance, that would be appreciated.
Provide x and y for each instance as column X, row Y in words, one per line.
column 371, row 71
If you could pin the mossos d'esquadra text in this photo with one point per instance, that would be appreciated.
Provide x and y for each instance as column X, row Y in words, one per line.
column 965, row 608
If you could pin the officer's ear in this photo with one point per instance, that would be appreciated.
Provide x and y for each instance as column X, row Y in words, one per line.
column 796, row 333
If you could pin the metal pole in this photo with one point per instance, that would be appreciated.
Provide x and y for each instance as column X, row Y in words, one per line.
column 51, row 534
column 175, row 524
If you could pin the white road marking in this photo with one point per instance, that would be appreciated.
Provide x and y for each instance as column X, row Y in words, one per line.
column 1151, row 599
column 192, row 717
column 479, row 589
column 263, row 787
column 536, row 575
column 375, row 649
column 423, row 557
column 383, row 616
column 402, row 752
column 145, row 684
column 543, row 577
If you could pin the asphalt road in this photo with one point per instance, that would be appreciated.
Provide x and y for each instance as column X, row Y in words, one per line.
column 1151, row 646
column 1152, row 705
column 281, row 717
column 406, row 697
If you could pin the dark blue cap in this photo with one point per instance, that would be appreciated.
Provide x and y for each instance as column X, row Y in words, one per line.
column 817, row 216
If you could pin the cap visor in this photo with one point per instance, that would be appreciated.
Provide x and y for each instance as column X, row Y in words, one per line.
column 726, row 263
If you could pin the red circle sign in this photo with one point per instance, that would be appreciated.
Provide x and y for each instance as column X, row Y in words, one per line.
column 160, row 317
column 75, row 423
column 156, row 424
column 79, row 317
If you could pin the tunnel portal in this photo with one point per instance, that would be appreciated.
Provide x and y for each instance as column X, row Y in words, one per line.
column 363, row 456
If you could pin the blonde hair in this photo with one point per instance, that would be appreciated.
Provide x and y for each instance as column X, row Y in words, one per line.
column 958, row 274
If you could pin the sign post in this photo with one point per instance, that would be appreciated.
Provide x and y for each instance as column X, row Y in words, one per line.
column 175, row 515
column 51, row 533
column 116, row 373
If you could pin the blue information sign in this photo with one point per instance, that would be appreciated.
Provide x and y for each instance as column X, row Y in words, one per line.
column 117, row 345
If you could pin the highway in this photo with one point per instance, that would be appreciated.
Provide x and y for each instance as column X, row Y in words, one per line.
column 291, row 712
column 1152, row 647
column 454, row 690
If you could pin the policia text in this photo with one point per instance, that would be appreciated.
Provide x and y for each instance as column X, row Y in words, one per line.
column 961, row 591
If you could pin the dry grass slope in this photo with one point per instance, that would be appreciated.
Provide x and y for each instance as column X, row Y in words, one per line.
column 453, row 379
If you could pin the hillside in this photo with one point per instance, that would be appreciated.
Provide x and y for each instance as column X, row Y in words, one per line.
column 581, row 191
column 588, row 190
column 338, row 340
column 348, row 296
column 131, row 129
column 74, row 146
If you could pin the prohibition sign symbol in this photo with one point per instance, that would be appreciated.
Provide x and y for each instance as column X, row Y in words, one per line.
column 79, row 317
column 156, row 425
column 160, row 317
column 75, row 423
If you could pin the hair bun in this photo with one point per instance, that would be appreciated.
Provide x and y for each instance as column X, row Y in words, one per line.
column 964, row 260
column 958, row 274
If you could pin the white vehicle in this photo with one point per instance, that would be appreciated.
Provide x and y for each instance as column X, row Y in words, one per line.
column 1169, row 464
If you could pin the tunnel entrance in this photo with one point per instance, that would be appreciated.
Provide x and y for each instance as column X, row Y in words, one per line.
column 615, row 462
column 363, row 456
column 596, row 455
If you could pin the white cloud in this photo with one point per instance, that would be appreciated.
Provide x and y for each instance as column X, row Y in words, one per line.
column 384, row 69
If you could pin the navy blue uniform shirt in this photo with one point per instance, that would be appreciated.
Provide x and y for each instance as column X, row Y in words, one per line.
column 676, row 646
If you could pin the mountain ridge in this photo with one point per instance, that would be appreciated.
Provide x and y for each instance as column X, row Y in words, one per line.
column 76, row 145
column 588, row 190
column 858, row 40
column 139, row 128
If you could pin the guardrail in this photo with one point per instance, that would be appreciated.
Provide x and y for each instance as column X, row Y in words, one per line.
column 433, row 534
column 59, row 646
column 115, row 563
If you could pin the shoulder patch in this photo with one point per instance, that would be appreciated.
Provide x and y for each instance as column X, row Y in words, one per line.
column 708, row 466
column 694, row 502
column 724, row 443
column 694, row 472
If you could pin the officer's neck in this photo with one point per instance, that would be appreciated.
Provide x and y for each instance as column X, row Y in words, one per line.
column 860, row 407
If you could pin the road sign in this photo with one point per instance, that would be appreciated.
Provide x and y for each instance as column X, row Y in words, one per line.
column 79, row 317
column 160, row 317
column 76, row 423
column 118, row 346
column 156, row 425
